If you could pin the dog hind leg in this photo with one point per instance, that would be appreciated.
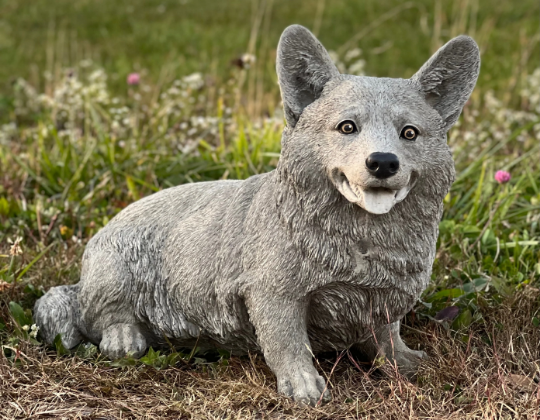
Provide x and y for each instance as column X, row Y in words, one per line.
column 108, row 295
column 120, row 340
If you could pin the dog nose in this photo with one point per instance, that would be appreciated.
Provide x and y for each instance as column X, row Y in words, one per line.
column 382, row 165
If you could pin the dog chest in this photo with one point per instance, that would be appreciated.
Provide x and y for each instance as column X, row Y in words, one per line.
column 381, row 288
column 341, row 314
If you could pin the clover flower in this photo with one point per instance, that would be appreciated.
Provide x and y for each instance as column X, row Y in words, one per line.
column 502, row 177
column 133, row 79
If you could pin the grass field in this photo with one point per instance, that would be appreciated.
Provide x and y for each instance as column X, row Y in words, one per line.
column 78, row 144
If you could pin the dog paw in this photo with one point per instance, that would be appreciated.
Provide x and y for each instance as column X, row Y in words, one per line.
column 408, row 361
column 120, row 340
column 304, row 387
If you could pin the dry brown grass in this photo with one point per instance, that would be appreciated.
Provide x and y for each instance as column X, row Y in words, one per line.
column 489, row 371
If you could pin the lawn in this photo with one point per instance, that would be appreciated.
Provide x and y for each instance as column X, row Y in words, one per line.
column 78, row 144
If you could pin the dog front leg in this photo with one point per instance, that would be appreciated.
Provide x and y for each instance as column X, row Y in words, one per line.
column 282, row 335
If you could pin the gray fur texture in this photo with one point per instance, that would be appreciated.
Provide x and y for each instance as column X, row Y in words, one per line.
column 317, row 255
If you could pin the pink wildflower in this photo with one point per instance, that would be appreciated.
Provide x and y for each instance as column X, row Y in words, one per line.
column 502, row 177
column 133, row 79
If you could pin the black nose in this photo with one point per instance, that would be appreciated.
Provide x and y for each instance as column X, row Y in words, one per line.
column 382, row 165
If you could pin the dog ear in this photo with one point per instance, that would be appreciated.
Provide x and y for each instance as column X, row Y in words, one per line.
column 303, row 68
column 449, row 76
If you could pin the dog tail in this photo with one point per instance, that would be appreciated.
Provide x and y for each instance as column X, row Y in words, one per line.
column 57, row 312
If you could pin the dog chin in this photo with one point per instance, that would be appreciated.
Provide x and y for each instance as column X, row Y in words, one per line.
column 374, row 200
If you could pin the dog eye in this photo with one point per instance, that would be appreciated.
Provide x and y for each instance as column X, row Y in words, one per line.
column 347, row 127
column 409, row 133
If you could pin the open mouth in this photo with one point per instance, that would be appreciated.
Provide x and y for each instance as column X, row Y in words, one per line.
column 376, row 200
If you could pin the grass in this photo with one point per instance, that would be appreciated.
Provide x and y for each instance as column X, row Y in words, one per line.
column 79, row 145
column 483, row 372
column 39, row 38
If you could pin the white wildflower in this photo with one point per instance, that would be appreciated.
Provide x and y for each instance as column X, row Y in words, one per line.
column 357, row 68
column 352, row 54
column 193, row 81
column 33, row 330
column 16, row 248
column 248, row 60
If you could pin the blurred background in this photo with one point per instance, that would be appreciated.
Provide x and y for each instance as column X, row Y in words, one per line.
column 164, row 40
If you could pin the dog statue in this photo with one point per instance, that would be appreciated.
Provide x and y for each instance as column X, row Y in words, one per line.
column 328, row 251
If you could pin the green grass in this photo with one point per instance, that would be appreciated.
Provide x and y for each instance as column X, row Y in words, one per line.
column 72, row 159
column 176, row 37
